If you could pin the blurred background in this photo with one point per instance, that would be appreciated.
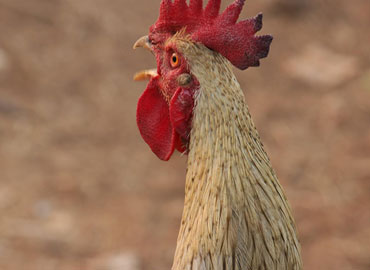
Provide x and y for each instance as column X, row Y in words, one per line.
column 79, row 189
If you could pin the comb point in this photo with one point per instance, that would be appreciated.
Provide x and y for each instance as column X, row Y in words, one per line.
column 196, row 6
column 232, row 12
column 213, row 8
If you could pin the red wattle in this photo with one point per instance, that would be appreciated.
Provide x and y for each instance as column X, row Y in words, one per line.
column 153, row 120
column 181, row 111
column 179, row 144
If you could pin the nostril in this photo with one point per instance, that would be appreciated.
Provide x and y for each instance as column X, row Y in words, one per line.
column 184, row 79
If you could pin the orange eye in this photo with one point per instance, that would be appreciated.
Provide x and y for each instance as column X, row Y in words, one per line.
column 174, row 60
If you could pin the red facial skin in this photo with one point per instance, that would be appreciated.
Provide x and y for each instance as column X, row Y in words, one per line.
column 165, row 109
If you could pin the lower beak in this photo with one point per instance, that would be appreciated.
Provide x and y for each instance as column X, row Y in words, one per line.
column 145, row 75
column 144, row 43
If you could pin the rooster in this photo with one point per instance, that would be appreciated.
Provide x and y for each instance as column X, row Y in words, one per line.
column 236, row 215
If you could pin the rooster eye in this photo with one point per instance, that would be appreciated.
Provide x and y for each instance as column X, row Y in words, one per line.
column 174, row 60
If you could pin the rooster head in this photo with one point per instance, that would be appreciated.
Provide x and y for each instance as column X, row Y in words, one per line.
column 164, row 110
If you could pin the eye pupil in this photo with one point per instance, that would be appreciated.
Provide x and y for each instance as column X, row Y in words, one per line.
column 174, row 60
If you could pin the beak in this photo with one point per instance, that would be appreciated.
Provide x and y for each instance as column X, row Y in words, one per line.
column 149, row 73
column 143, row 42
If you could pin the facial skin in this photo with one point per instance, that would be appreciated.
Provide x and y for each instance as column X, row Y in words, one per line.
column 172, row 66
column 165, row 108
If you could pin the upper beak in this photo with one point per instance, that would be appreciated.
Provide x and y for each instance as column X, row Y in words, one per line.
column 144, row 43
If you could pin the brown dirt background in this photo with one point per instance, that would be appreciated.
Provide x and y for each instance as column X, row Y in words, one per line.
column 79, row 189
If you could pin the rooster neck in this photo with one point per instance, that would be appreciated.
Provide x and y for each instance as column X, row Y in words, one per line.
column 235, row 215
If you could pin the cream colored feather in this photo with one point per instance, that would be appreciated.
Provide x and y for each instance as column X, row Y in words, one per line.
column 236, row 215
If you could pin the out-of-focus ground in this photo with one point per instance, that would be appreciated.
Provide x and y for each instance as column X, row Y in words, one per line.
column 79, row 189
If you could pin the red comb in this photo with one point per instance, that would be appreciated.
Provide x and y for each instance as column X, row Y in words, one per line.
column 219, row 32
